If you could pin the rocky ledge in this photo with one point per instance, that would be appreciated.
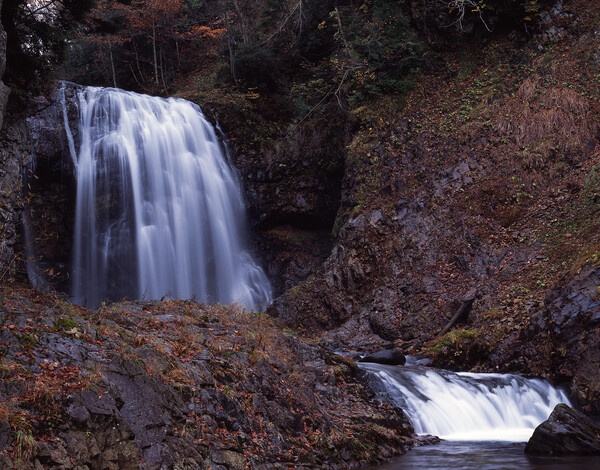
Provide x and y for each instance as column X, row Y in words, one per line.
column 177, row 384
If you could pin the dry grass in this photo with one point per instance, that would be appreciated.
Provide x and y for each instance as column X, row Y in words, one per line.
column 544, row 121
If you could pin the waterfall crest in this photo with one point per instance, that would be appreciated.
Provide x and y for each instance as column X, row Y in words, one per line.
column 159, row 208
column 468, row 406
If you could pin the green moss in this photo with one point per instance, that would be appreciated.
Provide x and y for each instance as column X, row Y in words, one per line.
column 64, row 323
column 458, row 349
column 28, row 342
column 455, row 339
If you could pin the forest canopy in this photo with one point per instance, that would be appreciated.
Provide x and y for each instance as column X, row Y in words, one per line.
column 358, row 49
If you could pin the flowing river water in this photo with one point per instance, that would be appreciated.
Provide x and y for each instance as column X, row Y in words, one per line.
column 484, row 420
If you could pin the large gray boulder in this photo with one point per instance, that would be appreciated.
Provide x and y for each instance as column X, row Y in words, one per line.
column 566, row 431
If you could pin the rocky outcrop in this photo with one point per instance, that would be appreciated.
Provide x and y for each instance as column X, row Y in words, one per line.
column 388, row 267
column 566, row 431
column 4, row 90
column 36, row 182
column 14, row 156
column 176, row 384
column 51, row 186
column 563, row 340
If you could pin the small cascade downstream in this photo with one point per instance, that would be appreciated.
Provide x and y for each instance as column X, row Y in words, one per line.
column 484, row 419
column 159, row 208
column 462, row 406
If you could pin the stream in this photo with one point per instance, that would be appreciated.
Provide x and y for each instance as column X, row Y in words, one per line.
column 484, row 420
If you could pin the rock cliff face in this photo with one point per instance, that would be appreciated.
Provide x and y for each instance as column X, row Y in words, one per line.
column 562, row 340
column 4, row 90
column 292, row 189
column 50, row 205
column 14, row 154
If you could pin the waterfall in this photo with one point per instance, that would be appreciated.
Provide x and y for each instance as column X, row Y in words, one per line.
column 159, row 208
column 468, row 406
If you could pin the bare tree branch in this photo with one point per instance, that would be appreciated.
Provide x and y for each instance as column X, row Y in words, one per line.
column 462, row 6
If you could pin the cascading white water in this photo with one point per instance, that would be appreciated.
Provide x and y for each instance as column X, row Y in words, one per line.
column 159, row 208
column 468, row 406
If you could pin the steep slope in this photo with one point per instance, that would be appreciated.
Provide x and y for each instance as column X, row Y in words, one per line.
column 487, row 179
column 177, row 384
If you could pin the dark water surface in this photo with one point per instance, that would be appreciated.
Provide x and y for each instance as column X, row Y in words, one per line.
column 488, row 455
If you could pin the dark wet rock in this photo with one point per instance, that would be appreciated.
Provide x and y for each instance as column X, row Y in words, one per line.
column 14, row 155
column 4, row 95
column 392, row 357
column 2, row 47
column 385, row 317
column 50, row 180
column 566, row 431
column 291, row 254
column 4, row 90
column 6, row 436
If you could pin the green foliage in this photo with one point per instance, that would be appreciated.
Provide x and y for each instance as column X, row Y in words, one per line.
column 194, row 4
column 24, row 446
column 384, row 50
column 37, row 39
column 592, row 187
column 307, row 94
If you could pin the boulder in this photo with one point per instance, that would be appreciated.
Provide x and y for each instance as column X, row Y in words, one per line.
column 566, row 431
column 390, row 357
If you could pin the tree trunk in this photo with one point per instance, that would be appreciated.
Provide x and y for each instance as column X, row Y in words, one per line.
column 154, row 51
column 243, row 22
column 339, row 20
column 231, row 58
column 462, row 314
column 137, row 62
column 162, row 68
column 112, row 64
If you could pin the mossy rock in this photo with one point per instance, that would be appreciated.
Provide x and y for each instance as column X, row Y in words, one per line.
column 458, row 349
